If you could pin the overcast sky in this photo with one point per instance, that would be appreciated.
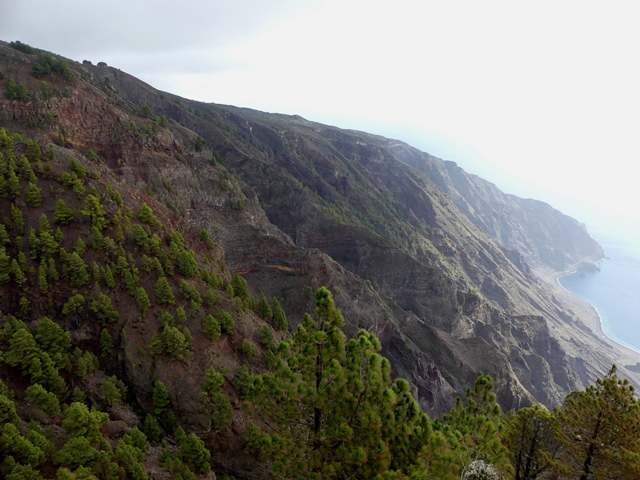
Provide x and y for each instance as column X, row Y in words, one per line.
column 542, row 98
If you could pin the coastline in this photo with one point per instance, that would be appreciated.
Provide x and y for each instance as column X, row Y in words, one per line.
column 601, row 323
column 590, row 316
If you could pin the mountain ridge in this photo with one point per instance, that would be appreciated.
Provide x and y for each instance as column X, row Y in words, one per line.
column 398, row 250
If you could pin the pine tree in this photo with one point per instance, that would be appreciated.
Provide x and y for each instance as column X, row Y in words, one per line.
column 34, row 195
column 331, row 402
column 279, row 317
column 532, row 435
column 211, row 327
column 142, row 299
column 74, row 306
column 101, row 306
column 226, row 321
column 5, row 266
column 54, row 340
column 106, row 342
column 4, row 236
column 264, row 309
column 601, row 430
column 146, row 214
column 47, row 401
column 160, row 397
column 62, row 215
column 164, row 293
column 152, row 428
column 34, row 154
column 17, row 218
column 193, row 452
column 42, row 278
column 77, row 270
column 477, row 427
column 216, row 400
column 93, row 209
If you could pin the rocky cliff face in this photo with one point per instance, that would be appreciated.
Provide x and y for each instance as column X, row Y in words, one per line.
column 434, row 261
column 546, row 237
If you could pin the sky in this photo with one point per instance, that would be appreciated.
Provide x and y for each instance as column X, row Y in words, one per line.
column 541, row 98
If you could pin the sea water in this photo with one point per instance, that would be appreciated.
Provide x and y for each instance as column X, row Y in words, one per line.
column 614, row 290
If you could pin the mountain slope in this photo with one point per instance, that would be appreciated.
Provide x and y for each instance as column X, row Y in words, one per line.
column 297, row 205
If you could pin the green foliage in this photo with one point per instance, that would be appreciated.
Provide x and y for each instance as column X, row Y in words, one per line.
column 264, row 309
column 532, row 437
column 216, row 400
column 333, row 408
column 163, row 122
column 77, row 270
column 47, row 401
column 77, row 452
column 267, row 338
column 156, row 346
column 210, row 298
column 241, row 290
column 186, row 261
column 113, row 389
column 13, row 443
column 23, row 47
column 15, row 91
column 226, row 321
column 248, row 349
column 211, row 327
column 74, row 306
column 23, row 472
column 146, row 215
column 7, row 410
column 189, row 292
column 77, row 168
column 93, row 156
column 177, row 341
column 279, row 317
column 200, row 144
column 253, row 438
column 54, row 340
column 477, row 427
column 160, row 397
column 243, row 380
column 106, row 343
column 152, row 428
column 34, row 154
column 79, row 421
column 193, row 453
column 47, row 64
column 94, row 209
column 34, row 195
column 601, row 430
column 103, row 309
column 5, row 266
column 142, row 299
column 164, row 293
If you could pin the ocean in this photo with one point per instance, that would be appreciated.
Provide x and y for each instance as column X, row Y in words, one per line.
column 614, row 290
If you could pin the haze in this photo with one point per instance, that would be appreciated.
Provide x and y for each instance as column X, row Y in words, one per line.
column 541, row 98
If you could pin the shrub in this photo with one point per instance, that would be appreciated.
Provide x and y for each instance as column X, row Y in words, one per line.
column 23, row 47
column 226, row 321
column 211, row 327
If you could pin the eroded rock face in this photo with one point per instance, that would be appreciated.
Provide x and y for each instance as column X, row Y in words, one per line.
column 435, row 262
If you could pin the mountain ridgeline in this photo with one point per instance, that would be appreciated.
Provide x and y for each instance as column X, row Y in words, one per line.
column 200, row 209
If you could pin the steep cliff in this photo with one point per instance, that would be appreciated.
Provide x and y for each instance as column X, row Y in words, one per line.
column 432, row 260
